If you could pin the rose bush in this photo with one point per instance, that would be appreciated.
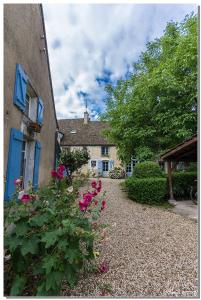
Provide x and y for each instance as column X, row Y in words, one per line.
column 49, row 236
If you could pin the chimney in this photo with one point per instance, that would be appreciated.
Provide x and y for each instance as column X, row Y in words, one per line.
column 86, row 117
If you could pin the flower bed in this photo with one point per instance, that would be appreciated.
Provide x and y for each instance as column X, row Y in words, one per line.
column 49, row 236
column 117, row 173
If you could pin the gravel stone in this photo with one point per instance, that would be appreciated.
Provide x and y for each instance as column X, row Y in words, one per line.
column 151, row 252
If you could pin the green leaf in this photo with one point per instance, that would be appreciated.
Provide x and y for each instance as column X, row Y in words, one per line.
column 38, row 269
column 53, row 280
column 71, row 275
column 72, row 254
column 50, row 238
column 41, row 290
column 30, row 246
column 62, row 245
column 38, row 220
column 13, row 242
column 18, row 285
column 21, row 228
column 49, row 263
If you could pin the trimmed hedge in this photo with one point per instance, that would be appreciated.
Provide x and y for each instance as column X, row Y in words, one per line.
column 147, row 169
column 182, row 182
column 146, row 190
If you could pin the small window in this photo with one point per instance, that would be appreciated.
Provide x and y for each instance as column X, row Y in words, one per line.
column 104, row 150
column 93, row 163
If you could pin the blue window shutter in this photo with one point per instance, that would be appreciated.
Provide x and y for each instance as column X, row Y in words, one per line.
column 40, row 109
column 111, row 164
column 14, row 162
column 20, row 88
column 100, row 165
column 36, row 164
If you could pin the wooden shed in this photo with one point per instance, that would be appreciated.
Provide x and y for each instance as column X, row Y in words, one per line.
column 184, row 152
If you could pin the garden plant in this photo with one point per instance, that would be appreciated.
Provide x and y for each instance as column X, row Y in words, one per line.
column 49, row 235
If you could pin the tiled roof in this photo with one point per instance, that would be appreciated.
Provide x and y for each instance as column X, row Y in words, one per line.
column 85, row 134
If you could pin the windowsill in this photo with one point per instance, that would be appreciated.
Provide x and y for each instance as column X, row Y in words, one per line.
column 104, row 155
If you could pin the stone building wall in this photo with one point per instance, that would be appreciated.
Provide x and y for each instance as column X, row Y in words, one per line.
column 24, row 41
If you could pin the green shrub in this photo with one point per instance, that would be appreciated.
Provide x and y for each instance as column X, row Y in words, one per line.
column 48, row 238
column 182, row 181
column 146, row 190
column 192, row 167
column 147, row 169
column 117, row 173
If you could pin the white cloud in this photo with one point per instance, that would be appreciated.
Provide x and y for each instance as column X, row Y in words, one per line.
column 84, row 40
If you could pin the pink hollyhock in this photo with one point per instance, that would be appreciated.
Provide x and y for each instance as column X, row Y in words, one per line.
column 99, row 186
column 18, row 182
column 25, row 198
column 93, row 184
column 54, row 173
column 95, row 202
column 103, row 205
column 104, row 267
column 83, row 205
column 98, row 189
column 94, row 193
column 59, row 175
column 61, row 168
column 87, row 197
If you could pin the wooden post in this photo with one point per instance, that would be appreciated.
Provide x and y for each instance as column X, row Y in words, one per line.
column 170, row 180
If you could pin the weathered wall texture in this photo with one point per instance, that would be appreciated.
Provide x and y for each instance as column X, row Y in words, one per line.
column 23, row 28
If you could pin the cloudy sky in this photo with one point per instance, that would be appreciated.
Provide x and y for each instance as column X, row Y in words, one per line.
column 91, row 45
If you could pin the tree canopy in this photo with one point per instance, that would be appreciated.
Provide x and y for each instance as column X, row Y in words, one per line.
column 156, row 107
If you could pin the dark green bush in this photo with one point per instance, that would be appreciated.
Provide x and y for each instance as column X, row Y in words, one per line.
column 182, row 181
column 146, row 190
column 147, row 169
column 192, row 167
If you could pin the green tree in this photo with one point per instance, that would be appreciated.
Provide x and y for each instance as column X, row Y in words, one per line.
column 156, row 107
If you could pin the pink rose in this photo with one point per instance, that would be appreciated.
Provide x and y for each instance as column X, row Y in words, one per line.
column 25, row 198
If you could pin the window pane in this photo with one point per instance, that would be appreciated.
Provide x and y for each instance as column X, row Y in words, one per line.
column 105, row 166
column 104, row 150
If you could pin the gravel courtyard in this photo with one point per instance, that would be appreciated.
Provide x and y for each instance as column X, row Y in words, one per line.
column 151, row 252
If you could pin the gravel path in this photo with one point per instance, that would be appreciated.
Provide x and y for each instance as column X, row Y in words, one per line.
column 152, row 252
